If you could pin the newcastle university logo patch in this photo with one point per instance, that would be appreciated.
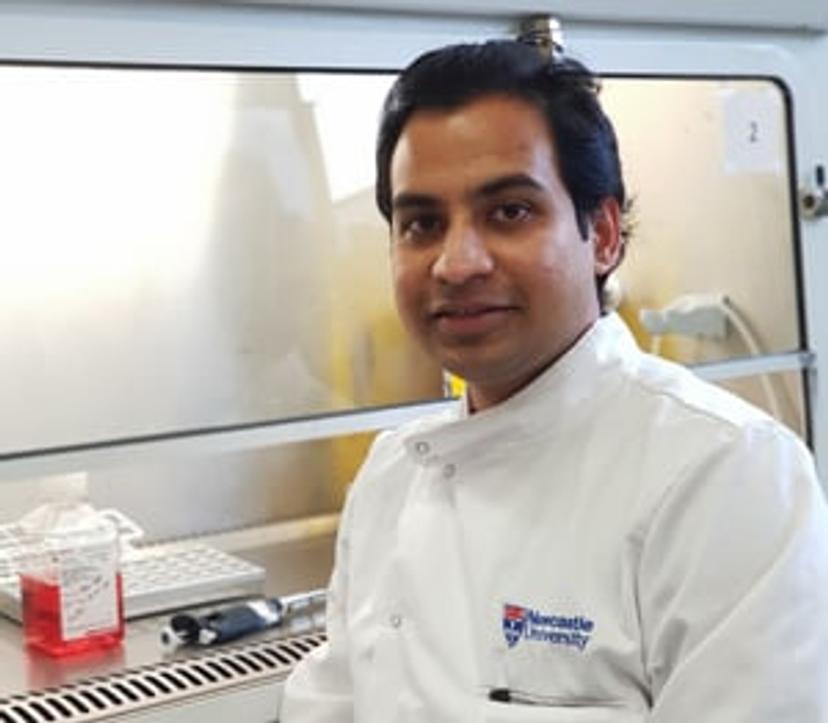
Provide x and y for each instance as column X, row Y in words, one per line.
column 520, row 623
column 514, row 621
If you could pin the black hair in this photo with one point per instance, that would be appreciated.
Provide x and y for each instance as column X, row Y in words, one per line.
column 563, row 89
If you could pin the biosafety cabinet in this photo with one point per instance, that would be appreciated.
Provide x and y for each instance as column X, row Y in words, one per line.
column 195, row 302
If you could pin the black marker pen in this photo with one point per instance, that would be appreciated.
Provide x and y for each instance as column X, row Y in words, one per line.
column 500, row 695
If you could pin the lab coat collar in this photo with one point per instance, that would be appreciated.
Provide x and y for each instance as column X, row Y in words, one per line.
column 554, row 400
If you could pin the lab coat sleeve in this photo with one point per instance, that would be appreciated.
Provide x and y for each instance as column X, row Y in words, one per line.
column 319, row 689
column 733, row 588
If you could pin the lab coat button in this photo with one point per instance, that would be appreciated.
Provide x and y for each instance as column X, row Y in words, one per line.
column 422, row 447
column 395, row 620
column 449, row 470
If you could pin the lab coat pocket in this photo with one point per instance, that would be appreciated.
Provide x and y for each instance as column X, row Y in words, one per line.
column 531, row 712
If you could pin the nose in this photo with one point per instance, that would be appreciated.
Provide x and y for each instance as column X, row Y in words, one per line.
column 463, row 255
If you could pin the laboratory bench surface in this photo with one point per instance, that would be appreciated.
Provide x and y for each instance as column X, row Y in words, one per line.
column 291, row 567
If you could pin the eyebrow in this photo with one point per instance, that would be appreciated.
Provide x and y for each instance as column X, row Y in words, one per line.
column 513, row 181
column 508, row 183
column 402, row 201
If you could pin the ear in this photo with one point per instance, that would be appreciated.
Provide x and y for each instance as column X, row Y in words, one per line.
column 606, row 236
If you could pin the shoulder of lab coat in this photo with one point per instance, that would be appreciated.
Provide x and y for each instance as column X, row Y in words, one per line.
column 733, row 586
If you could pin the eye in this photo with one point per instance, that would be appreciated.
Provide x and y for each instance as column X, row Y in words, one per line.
column 511, row 213
column 420, row 227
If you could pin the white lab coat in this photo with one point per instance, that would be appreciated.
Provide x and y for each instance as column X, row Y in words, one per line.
column 618, row 543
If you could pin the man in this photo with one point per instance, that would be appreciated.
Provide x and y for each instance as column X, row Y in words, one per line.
column 594, row 535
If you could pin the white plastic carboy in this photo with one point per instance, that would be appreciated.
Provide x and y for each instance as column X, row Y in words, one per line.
column 70, row 584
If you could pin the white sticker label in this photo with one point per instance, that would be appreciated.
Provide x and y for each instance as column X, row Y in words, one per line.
column 88, row 590
column 753, row 123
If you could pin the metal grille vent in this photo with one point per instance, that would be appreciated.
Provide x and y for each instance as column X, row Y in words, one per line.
column 100, row 698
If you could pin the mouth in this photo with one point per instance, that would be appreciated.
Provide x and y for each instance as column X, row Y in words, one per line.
column 465, row 310
column 470, row 319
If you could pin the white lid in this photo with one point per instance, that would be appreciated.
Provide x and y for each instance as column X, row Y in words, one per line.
column 71, row 487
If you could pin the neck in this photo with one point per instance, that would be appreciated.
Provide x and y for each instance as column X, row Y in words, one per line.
column 482, row 396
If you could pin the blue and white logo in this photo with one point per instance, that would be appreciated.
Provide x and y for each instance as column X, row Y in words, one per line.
column 521, row 623
column 514, row 623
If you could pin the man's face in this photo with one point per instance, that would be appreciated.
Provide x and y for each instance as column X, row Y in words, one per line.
column 490, row 272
